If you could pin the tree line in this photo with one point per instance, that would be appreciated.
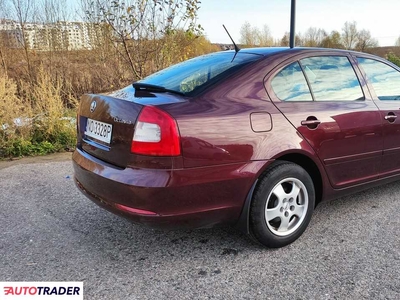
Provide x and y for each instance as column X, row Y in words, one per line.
column 350, row 37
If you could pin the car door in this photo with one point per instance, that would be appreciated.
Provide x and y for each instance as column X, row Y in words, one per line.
column 322, row 97
column 384, row 83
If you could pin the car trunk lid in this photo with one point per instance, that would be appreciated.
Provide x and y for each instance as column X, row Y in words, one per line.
column 106, row 126
column 106, row 123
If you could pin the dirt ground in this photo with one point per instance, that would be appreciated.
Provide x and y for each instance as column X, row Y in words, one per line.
column 36, row 159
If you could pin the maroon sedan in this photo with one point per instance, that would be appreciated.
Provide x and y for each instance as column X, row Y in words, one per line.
column 255, row 138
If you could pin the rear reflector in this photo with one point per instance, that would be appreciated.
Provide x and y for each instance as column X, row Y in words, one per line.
column 156, row 134
column 134, row 210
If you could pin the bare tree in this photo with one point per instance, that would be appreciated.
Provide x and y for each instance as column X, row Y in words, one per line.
column 349, row 35
column 333, row 40
column 24, row 11
column 143, row 30
column 314, row 37
column 265, row 37
column 285, row 40
column 2, row 37
column 247, row 35
column 253, row 36
column 365, row 40
column 54, row 14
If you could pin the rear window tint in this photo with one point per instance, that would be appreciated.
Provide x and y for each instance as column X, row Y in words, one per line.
column 384, row 79
column 192, row 75
column 290, row 84
column 332, row 78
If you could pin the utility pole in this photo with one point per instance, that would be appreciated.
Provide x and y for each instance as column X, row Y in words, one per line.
column 293, row 24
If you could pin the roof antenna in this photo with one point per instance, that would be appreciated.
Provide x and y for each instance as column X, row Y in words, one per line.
column 237, row 49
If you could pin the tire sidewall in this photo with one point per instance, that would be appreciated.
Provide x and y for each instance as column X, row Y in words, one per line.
column 272, row 177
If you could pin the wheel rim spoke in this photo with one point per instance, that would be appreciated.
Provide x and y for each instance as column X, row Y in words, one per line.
column 295, row 191
column 279, row 192
column 298, row 210
column 273, row 213
column 284, row 225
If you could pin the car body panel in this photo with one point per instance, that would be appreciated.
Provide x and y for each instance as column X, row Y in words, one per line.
column 349, row 139
column 223, row 156
column 390, row 164
column 233, row 102
column 193, row 194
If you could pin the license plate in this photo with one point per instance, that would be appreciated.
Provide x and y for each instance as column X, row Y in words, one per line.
column 98, row 130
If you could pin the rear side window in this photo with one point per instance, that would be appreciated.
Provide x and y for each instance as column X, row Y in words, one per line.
column 332, row 78
column 290, row 84
column 384, row 79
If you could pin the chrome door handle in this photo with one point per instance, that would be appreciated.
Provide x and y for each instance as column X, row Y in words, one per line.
column 310, row 122
column 391, row 117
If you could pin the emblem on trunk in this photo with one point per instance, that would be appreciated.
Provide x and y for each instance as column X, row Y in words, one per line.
column 93, row 106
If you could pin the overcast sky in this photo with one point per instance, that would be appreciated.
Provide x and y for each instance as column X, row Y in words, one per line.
column 380, row 17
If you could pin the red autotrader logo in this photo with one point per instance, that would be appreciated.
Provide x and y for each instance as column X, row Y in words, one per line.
column 41, row 290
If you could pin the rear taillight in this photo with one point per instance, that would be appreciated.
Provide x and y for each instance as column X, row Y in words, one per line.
column 156, row 133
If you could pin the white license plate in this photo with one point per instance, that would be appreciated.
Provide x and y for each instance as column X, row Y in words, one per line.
column 98, row 130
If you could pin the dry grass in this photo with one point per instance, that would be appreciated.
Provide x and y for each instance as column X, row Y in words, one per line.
column 12, row 110
column 44, row 91
column 32, row 117
column 10, row 104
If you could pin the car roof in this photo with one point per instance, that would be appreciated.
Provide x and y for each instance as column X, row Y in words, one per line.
column 266, row 51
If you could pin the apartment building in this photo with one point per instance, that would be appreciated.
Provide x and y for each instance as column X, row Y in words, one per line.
column 43, row 37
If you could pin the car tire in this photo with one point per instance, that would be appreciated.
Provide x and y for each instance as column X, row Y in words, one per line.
column 282, row 205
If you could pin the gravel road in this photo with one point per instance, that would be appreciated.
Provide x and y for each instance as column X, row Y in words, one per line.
column 50, row 232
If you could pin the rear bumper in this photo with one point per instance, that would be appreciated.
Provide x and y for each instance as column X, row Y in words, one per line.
column 183, row 198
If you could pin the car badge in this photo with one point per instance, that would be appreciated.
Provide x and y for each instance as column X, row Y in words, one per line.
column 93, row 106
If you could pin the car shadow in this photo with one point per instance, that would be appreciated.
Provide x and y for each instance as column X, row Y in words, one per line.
column 116, row 234
column 117, row 238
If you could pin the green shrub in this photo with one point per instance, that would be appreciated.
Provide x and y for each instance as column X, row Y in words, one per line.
column 393, row 58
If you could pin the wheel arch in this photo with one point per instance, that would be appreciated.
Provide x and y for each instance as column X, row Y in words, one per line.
column 312, row 169
column 300, row 159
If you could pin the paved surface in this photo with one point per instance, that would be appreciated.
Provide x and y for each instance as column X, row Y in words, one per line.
column 50, row 232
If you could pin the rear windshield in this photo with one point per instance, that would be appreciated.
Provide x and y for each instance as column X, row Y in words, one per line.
column 192, row 76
